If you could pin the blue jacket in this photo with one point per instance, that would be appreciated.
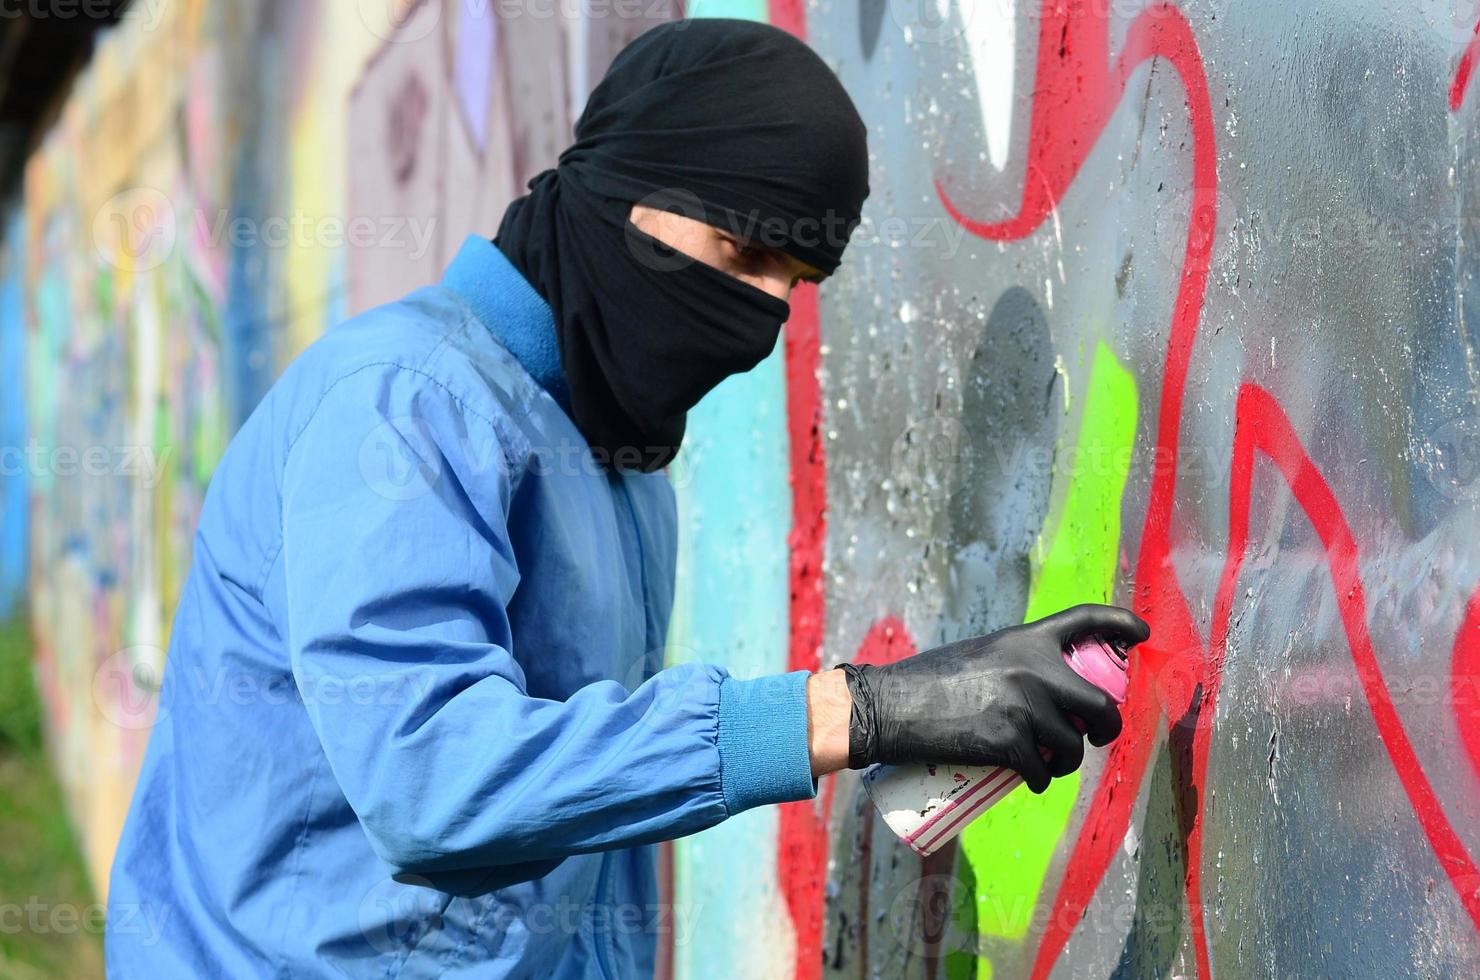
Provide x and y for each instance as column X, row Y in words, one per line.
column 415, row 720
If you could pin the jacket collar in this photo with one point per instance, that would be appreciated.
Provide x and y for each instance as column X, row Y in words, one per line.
column 511, row 309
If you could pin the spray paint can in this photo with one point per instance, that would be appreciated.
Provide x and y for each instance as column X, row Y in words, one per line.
column 927, row 805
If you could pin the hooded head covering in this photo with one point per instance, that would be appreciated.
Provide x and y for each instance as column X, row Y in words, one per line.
column 733, row 123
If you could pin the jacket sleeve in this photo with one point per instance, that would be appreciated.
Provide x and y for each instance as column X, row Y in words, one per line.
column 398, row 572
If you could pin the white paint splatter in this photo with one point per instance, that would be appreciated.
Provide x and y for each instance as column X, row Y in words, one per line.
column 1132, row 842
column 991, row 35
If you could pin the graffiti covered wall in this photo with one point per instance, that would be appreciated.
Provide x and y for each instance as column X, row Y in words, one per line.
column 1203, row 348
column 1169, row 304
column 14, row 484
column 157, row 307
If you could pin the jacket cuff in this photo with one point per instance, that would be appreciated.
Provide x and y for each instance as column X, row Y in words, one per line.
column 763, row 756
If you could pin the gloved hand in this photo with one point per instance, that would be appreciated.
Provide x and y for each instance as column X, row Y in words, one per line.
column 990, row 700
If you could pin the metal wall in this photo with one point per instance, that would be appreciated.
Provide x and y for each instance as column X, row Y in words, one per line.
column 1203, row 348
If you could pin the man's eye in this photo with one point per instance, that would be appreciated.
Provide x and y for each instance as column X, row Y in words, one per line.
column 745, row 250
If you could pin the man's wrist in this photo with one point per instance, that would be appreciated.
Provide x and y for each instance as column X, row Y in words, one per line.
column 761, row 738
column 829, row 710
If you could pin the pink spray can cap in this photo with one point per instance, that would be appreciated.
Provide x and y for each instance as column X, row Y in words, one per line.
column 1101, row 661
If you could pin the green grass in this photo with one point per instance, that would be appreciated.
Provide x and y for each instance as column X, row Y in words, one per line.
column 48, row 917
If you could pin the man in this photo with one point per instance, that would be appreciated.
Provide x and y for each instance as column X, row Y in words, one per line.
column 415, row 720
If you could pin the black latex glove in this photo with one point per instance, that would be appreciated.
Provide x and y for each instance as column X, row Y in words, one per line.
column 991, row 700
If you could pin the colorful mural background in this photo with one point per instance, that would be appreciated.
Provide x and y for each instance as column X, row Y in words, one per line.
column 1163, row 303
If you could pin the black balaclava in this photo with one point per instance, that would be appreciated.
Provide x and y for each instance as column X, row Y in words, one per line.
column 730, row 122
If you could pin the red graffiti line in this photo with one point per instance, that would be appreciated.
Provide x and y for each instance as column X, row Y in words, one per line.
column 1076, row 93
column 801, row 854
column 803, row 826
column 1464, row 680
column 1261, row 424
column 802, row 833
column 789, row 16
column 886, row 641
column 1464, row 71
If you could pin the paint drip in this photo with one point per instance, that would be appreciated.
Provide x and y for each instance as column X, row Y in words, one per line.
column 928, row 805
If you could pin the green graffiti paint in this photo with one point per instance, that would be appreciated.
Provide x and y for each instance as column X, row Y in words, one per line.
column 1010, row 846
